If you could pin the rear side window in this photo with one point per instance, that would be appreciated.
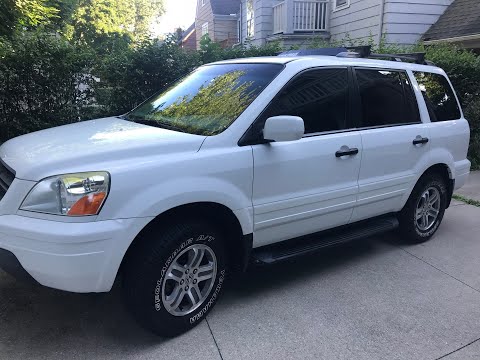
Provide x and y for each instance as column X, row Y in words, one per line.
column 387, row 98
column 439, row 97
column 319, row 97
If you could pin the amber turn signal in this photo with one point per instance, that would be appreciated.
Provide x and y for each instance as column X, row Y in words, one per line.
column 88, row 205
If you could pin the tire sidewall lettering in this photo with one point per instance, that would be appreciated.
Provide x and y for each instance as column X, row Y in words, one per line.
column 212, row 299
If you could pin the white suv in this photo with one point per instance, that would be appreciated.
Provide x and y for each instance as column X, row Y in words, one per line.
column 237, row 162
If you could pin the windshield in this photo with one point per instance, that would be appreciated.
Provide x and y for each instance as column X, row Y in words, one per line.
column 208, row 100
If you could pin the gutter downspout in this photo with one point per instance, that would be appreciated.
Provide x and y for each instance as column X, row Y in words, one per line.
column 382, row 17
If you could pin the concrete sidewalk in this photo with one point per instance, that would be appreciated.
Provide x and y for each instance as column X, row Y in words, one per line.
column 471, row 190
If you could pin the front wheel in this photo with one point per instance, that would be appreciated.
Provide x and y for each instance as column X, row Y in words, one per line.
column 424, row 210
column 174, row 277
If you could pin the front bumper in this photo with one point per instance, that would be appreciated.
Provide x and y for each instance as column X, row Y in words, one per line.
column 76, row 257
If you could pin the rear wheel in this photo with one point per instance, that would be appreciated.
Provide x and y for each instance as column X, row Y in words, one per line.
column 173, row 278
column 424, row 210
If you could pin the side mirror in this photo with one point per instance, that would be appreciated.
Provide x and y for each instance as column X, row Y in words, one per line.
column 284, row 128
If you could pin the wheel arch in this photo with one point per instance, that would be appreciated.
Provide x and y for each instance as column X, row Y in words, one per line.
column 238, row 244
column 447, row 174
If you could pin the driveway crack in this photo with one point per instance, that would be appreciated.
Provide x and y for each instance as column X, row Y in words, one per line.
column 214, row 340
column 454, row 351
column 436, row 268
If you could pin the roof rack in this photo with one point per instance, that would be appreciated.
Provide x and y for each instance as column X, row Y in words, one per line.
column 360, row 52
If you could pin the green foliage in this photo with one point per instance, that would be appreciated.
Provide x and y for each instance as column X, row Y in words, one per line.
column 472, row 114
column 16, row 14
column 211, row 51
column 466, row 200
column 130, row 75
column 8, row 17
column 94, row 19
column 41, row 79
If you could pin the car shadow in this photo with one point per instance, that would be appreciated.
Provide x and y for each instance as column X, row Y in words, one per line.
column 273, row 277
column 35, row 319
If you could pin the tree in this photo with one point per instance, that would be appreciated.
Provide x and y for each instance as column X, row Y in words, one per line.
column 24, row 13
column 8, row 17
column 96, row 18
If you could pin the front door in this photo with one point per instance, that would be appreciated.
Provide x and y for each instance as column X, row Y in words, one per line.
column 305, row 186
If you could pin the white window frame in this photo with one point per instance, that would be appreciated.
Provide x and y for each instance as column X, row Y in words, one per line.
column 205, row 29
column 204, row 2
column 340, row 7
column 250, row 16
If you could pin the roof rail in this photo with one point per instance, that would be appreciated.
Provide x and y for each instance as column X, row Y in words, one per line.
column 360, row 52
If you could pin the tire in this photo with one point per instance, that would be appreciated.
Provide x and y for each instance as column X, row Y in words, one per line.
column 164, row 286
column 417, row 219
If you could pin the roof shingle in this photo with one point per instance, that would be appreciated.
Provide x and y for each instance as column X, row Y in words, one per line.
column 461, row 18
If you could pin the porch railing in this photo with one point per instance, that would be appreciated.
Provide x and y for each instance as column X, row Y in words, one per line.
column 279, row 18
column 300, row 16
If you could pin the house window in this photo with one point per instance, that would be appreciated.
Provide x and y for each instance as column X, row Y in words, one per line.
column 341, row 4
column 203, row 2
column 205, row 29
column 250, row 19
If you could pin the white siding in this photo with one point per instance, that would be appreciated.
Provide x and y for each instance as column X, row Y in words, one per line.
column 204, row 15
column 404, row 22
column 407, row 20
column 359, row 21
column 263, row 20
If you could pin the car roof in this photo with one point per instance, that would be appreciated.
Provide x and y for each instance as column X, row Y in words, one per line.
column 322, row 60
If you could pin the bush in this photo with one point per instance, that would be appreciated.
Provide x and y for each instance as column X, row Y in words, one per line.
column 211, row 51
column 462, row 67
column 472, row 113
column 130, row 75
column 44, row 82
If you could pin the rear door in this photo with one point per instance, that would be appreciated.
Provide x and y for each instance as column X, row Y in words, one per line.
column 393, row 137
column 305, row 186
column 449, row 131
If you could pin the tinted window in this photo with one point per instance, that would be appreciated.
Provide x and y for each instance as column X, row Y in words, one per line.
column 387, row 98
column 319, row 97
column 208, row 100
column 439, row 97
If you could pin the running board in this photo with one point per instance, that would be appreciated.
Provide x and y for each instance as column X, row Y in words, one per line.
column 308, row 244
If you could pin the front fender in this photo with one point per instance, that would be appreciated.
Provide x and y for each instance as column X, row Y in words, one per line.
column 153, row 200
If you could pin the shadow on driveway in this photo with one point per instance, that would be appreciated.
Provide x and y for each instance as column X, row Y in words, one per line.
column 38, row 322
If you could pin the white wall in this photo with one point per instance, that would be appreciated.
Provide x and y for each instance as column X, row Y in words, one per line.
column 407, row 20
column 404, row 21
column 263, row 20
column 359, row 21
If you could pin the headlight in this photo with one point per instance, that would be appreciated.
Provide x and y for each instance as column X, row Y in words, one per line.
column 71, row 194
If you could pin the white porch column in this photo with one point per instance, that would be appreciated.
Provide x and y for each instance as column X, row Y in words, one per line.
column 288, row 13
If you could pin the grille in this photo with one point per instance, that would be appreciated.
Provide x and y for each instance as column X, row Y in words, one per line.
column 6, row 179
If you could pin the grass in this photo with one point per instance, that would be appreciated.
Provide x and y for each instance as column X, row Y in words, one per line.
column 466, row 200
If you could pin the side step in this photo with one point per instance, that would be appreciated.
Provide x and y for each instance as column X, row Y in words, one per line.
column 307, row 244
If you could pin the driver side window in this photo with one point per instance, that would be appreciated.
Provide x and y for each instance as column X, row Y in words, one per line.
column 319, row 97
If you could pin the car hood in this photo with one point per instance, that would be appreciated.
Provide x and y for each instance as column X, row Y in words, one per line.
column 82, row 145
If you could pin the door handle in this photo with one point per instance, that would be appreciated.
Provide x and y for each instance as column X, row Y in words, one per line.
column 420, row 140
column 346, row 152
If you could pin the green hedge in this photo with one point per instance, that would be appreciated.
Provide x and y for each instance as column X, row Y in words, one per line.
column 46, row 81
column 41, row 80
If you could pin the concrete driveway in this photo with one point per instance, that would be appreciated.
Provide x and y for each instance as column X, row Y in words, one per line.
column 374, row 299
